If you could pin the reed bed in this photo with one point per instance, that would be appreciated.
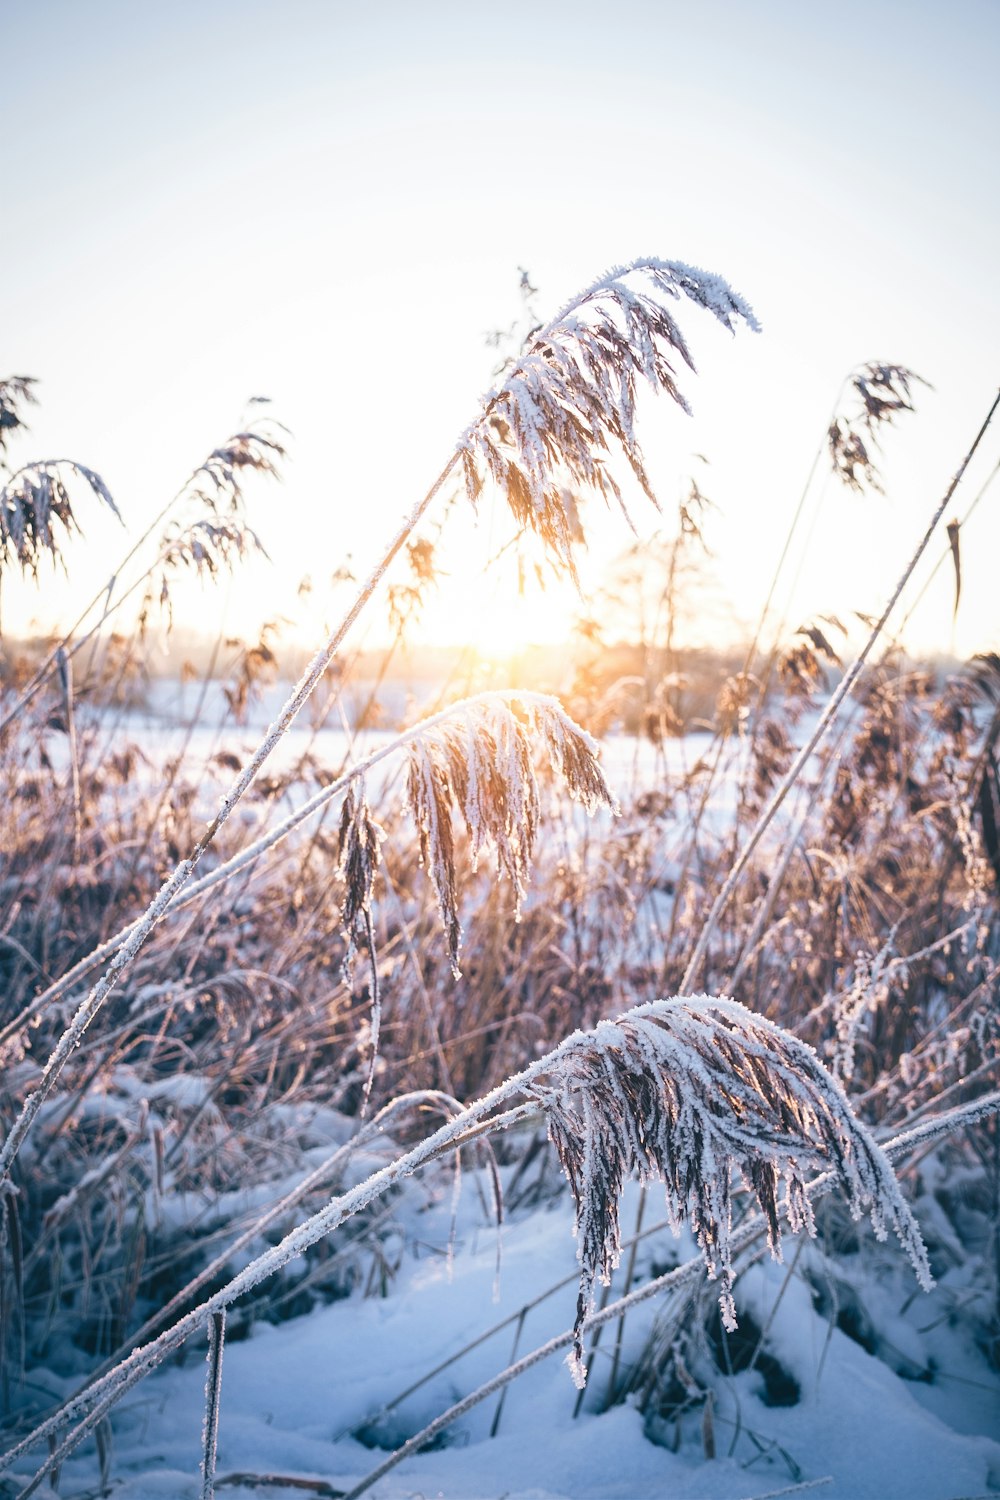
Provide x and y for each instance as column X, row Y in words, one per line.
column 209, row 1025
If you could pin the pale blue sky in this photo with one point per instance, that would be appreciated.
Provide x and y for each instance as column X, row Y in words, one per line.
column 327, row 203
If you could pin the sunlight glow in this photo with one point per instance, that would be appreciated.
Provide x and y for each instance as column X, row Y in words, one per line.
column 495, row 619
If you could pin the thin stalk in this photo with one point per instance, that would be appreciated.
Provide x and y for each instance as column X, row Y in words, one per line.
column 514, row 1317
column 64, row 664
column 193, row 718
column 213, row 1392
column 495, row 1424
column 946, row 556
column 826, row 719
column 777, row 879
column 789, row 535
column 690, row 851
column 433, row 1030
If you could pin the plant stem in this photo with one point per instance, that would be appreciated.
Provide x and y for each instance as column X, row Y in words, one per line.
column 213, row 1392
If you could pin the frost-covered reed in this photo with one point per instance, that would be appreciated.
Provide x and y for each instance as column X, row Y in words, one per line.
column 685, row 1092
column 682, row 1090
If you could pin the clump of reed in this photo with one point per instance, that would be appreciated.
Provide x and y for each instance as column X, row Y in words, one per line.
column 232, row 1034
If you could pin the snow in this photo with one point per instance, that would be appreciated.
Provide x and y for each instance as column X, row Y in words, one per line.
column 295, row 1396
column 918, row 1417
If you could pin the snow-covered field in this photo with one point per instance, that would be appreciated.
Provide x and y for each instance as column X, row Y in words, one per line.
column 862, row 1385
column 921, row 1418
column 161, row 728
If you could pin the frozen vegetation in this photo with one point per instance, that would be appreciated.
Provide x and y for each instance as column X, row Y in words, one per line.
column 342, row 1107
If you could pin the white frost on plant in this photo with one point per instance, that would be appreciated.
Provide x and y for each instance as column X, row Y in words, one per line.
column 682, row 1092
column 480, row 761
column 569, row 401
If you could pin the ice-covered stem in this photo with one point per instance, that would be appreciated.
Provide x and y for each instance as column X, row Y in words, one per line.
column 213, row 1394
column 827, row 717
column 753, row 1231
column 682, row 1090
column 938, row 1126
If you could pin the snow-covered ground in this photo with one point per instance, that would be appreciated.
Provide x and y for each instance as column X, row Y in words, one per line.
column 907, row 1407
column 919, row 1421
column 160, row 727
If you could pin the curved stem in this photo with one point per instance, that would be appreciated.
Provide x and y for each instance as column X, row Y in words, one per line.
column 789, row 536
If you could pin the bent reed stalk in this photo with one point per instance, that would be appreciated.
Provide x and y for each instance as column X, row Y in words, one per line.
column 781, row 1114
column 751, row 1235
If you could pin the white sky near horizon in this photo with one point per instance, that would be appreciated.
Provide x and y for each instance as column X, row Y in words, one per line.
column 328, row 204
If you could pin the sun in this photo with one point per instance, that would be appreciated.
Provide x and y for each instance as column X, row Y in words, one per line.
column 497, row 620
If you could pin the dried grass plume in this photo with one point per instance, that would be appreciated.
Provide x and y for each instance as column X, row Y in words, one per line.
column 482, row 764
column 568, row 403
column 682, row 1092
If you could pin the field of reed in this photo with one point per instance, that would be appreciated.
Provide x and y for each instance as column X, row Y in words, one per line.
column 734, row 941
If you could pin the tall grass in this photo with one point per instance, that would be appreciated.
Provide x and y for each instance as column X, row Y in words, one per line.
column 263, row 982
